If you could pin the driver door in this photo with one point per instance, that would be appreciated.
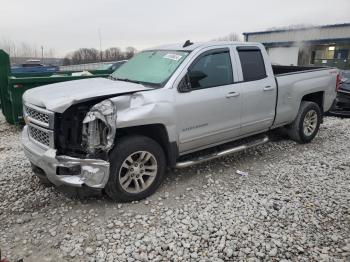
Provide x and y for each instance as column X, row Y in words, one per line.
column 209, row 112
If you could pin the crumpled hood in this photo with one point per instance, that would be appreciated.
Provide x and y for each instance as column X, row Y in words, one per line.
column 58, row 97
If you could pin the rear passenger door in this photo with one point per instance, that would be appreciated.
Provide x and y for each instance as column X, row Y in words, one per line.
column 259, row 91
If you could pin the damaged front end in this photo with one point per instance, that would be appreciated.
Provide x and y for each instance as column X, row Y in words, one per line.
column 65, row 170
column 91, row 172
column 84, row 134
column 99, row 127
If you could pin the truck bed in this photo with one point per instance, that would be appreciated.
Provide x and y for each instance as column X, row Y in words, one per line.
column 295, row 82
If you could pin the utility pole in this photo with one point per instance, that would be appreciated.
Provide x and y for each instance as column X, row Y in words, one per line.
column 99, row 37
column 42, row 54
column 14, row 54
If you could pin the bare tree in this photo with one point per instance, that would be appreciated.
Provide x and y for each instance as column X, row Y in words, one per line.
column 66, row 61
column 24, row 49
column 91, row 55
column 85, row 55
column 130, row 52
column 8, row 46
column 18, row 51
column 112, row 54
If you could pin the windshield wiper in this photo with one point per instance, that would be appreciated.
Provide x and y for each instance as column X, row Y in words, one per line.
column 123, row 79
column 135, row 81
column 128, row 80
column 112, row 77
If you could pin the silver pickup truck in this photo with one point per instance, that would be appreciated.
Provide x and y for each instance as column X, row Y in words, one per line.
column 171, row 106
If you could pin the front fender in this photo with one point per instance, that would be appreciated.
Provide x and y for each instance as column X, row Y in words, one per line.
column 147, row 108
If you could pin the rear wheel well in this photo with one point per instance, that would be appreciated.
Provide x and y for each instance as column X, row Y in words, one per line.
column 316, row 97
column 158, row 133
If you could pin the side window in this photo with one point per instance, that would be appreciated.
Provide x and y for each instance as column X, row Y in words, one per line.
column 253, row 65
column 211, row 69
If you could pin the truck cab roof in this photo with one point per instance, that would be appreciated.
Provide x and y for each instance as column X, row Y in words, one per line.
column 180, row 46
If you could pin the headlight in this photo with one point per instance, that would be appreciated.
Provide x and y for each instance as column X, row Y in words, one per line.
column 99, row 126
column 106, row 107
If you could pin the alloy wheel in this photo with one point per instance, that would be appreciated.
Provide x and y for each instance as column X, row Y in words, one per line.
column 310, row 122
column 138, row 172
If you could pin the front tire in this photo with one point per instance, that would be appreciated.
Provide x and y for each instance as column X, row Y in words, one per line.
column 307, row 123
column 137, row 168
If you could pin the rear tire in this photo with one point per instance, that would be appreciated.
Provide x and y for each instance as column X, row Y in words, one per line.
column 137, row 168
column 307, row 123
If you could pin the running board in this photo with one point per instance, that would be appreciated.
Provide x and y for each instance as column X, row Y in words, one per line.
column 225, row 152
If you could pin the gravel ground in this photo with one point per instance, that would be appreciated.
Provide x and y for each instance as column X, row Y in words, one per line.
column 293, row 206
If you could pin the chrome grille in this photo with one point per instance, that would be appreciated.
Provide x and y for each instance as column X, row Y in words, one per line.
column 39, row 116
column 40, row 125
column 40, row 135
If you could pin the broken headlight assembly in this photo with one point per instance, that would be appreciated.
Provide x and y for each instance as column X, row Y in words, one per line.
column 99, row 127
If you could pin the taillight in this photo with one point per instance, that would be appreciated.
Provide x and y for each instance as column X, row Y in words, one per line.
column 338, row 83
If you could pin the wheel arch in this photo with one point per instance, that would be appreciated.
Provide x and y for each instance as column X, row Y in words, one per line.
column 316, row 97
column 158, row 133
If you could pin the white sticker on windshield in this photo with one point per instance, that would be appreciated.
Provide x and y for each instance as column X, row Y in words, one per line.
column 173, row 57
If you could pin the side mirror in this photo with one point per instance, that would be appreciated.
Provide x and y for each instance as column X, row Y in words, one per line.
column 191, row 80
column 185, row 84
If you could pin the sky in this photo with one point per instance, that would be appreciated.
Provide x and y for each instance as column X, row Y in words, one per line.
column 66, row 25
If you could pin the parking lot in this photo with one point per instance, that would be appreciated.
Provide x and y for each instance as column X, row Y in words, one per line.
column 294, row 205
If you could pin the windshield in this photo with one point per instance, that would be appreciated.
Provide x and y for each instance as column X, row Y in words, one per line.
column 150, row 67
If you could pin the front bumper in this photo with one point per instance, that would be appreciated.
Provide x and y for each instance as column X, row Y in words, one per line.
column 93, row 172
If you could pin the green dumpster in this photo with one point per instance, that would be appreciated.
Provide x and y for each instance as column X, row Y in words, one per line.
column 12, row 86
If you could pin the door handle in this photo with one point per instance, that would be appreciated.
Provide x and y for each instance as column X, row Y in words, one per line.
column 232, row 94
column 268, row 88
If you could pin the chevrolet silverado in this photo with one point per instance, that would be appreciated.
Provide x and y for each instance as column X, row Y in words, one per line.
column 164, row 108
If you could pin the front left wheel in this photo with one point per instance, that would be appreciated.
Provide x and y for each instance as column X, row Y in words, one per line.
column 137, row 168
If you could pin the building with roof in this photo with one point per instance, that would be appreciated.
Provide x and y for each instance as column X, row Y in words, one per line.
column 327, row 45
